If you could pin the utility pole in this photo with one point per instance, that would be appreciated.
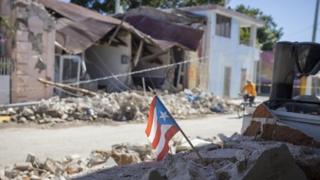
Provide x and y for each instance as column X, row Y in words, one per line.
column 315, row 81
column 309, row 81
column 315, row 22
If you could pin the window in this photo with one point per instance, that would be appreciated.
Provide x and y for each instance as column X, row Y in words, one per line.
column 223, row 26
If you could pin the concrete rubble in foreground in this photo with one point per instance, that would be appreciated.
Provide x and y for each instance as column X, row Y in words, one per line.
column 124, row 106
column 235, row 157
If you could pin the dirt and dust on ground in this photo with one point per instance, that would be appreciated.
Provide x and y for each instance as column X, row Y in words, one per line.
column 235, row 157
column 109, row 108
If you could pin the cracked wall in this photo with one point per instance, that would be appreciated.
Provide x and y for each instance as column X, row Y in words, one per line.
column 33, row 51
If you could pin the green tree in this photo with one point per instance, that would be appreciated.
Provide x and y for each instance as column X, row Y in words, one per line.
column 108, row 6
column 268, row 35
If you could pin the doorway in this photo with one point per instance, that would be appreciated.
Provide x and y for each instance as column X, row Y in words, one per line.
column 227, row 81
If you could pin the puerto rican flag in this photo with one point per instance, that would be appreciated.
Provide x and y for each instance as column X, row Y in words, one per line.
column 161, row 127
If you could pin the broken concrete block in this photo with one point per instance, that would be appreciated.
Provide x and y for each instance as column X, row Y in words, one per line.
column 110, row 163
column 73, row 168
column 74, row 157
column 125, row 158
column 153, row 174
column 23, row 166
column 180, row 168
column 96, row 159
column 33, row 160
column 53, row 167
column 34, row 177
column 275, row 163
column 185, row 146
column 22, row 120
column 11, row 173
column 220, row 155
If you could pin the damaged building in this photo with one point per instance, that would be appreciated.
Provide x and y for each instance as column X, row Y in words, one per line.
column 65, row 43
column 179, row 35
column 28, row 50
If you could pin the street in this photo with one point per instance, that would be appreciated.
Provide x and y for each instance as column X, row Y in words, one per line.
column 16, row 143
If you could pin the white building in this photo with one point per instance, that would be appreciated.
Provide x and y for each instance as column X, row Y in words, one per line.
column 229, row 61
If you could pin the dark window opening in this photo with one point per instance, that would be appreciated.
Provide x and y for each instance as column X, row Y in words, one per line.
column 223, row 26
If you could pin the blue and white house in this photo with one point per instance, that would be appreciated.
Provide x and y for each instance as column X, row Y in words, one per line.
column 229, row 61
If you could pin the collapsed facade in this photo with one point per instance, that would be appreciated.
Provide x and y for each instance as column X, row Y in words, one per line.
column 66, row 43
column 171, row 49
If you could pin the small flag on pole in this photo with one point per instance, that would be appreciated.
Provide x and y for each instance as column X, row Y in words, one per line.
column 161, row 127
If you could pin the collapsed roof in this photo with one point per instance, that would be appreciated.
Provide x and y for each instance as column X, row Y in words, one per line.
column 168, row 29
column 78, row 28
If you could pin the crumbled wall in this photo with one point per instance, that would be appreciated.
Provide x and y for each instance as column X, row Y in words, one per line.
column 193, row 69
column 33, row 52
column 107, row 60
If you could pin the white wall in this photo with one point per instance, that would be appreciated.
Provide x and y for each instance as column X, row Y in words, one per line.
column 224, row 52
column 104, row 60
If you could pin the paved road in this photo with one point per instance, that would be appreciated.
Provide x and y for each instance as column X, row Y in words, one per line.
column 16, row 143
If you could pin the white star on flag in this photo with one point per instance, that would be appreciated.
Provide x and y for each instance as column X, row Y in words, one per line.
column 164, row 116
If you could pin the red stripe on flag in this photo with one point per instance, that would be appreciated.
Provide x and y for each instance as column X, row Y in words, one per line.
column 169, row 134
column 150, row 116
column 157, row 137
column 164, row 152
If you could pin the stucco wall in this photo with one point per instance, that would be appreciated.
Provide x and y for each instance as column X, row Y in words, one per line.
column 33, row 53
column 104, row 60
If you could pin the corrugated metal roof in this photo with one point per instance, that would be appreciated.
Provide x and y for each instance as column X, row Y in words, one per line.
column 79, row 28
column 77, row 36
column 167, row 34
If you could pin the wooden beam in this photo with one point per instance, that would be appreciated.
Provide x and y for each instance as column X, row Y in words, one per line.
column 138, row 55
column 116, row 31
column 179, row 75
column 68, row 87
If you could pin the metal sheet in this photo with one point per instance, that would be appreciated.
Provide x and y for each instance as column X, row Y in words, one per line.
column 78, row 36
column 167, row 34
column 79, row 28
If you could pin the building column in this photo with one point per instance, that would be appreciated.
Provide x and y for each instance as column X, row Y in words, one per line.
column 253, row 36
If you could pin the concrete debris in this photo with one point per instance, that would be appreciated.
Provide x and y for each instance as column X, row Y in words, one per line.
column 241, row 158
column 73, row 165
column 181, row 168
column 276, row 163
column 124, row 106
column 153, row 174
column 23, row 166
column 124, row 155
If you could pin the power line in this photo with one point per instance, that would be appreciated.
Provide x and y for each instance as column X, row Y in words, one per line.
column 137, row 72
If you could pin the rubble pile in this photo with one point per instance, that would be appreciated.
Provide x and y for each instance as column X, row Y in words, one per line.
column 122, row 106
column 235, row 157
column 225, row 158
column 33, row 168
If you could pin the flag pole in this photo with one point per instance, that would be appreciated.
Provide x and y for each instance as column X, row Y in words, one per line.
column 184, row 135
column 188, row 140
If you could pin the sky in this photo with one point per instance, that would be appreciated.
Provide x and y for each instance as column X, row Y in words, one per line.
column 294, row 16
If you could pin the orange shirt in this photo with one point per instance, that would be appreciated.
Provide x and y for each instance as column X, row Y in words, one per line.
column 250, row 89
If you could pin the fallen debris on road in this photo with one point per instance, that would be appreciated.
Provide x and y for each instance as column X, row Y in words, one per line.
column 124, row 106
